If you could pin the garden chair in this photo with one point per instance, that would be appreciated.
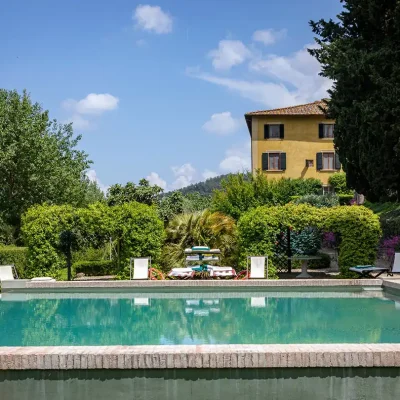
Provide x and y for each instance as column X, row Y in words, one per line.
column 8, row 273
column 395, row 265
column 140, row 268
column 257, row 268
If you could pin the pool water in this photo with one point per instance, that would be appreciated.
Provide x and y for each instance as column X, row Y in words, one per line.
column 198, row 318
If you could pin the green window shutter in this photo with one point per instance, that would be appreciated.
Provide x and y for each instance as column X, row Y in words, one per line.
column 321, row 131
column 282, row 131
column 264, row 161
column 338, row 164
column 266, row 131
column 283, row 161
column 319, row 161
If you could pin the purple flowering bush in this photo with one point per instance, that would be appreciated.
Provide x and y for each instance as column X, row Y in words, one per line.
column 390, row 245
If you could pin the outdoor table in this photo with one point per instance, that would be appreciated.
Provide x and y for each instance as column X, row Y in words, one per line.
column 304, row 265
column 202, row 254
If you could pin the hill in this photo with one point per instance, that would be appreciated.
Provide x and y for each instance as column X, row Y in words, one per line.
column 204, row 188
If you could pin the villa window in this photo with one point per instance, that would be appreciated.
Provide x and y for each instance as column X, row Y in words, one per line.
column 274, row 161
column 274, row 131
column 328, row 161
column 326, row 131
column 327, row 189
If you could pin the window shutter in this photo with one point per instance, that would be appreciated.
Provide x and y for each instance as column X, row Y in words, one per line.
column 283, row 161
column 282, row 131
column 266, row 131
column 321, row 131
column 319, row 161
column 338, row 164
column 264, row 161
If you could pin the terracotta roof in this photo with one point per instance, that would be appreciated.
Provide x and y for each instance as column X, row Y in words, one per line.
column 303, row 109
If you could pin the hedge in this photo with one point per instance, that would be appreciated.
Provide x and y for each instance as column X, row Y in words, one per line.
column 94, row 268
column 134, row 227
column 14, row 255
column 323, row 263
column 344, row 199
column 357, row 226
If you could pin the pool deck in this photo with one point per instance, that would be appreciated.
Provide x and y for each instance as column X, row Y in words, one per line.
column 196, row 356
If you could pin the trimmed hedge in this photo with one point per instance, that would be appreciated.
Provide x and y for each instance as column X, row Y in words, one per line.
column 94, row 268
column 357, row 226
column 344, row 199
column 135, row 229
column 323, row 263
column 14, row 255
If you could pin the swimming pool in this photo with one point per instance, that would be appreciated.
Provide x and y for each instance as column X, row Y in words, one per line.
column 252, row 317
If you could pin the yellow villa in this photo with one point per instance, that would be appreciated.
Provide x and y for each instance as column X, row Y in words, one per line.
column 293, row 142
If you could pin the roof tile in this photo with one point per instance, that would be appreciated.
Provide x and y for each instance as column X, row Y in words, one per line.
column 303, row 109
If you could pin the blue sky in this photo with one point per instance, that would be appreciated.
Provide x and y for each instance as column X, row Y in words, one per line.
column 159, row 89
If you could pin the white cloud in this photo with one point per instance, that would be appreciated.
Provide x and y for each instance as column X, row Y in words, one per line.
column 292, row 80
column 155, row 179
column 229, row 54
column 93, row 103
column 141, row 43
column 92, row 176
column 237, row 159
column 185, row 176
column 78, row 122
column 267, row 93
column 269, row 36
column 222, row 124
column 152, row 19
column 207, row 174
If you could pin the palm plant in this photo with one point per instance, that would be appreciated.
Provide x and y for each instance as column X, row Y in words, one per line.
column 215, row 230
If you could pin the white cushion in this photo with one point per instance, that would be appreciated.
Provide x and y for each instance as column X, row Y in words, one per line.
column 43, row 279
column 396, row 263
column 6, row 273
column 141, row 268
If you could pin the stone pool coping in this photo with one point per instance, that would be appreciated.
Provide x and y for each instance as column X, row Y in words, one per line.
column 204, row 356
column 27, row 285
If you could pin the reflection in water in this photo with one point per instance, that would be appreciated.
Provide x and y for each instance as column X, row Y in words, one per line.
column 212, row 319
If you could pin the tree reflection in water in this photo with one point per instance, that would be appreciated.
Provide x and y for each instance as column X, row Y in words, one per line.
column 124, row 321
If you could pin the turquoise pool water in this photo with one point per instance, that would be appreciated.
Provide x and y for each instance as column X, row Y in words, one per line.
column 198, row 318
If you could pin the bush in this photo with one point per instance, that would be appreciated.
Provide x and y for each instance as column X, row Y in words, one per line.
column 323, row 263
column 357, row 227
column 305, row 242
column 14, row 255
column 135, row 228
column 345, row 199
column 339, row 184
column 243, row 192
column 94, row 268
column 318, row 200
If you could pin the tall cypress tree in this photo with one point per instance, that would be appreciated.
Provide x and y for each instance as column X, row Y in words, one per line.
column 360, row 52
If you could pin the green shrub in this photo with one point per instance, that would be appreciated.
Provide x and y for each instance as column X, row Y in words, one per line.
column 306, row 241
column 339, row 184
column 344, row 199
column 94, row 268
column 243, row 192
column 318, row 200
column 357, row 226
column 323, row 263
column 14, row 255
column 135, row 229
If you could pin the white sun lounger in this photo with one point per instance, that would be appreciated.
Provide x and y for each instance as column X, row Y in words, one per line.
column 221, row 271
column 181, row 272
column 140, row 268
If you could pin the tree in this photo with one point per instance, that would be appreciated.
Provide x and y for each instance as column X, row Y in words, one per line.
column 39, row 160
column 142, row 193
column 360, row 54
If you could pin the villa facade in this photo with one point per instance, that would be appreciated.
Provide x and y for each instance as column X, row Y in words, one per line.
column 293, row 142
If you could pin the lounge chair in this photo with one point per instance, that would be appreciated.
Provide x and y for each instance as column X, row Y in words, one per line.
column 367, row 271
column 221, row 272
column 183, row 273
column 258, row 266
column 8, row 273
column 140, row 268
